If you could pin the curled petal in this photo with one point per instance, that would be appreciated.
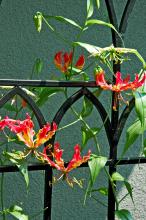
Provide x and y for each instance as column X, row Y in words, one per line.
column 137, row 83
column 67, row 61
column 58, row 60
column 127, row 79
column 48, row 160
column 77, row 160
column 63, row 61
column 45, row 134
column 119, row 80
column 100, row 81
column 80, row 62
column 121, row 84
column 58, row 156
column 58, row 162
column 6, row 122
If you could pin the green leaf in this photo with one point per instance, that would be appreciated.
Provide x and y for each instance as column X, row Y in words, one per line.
column 15, row 155
column 123, row 214
column 24, row 171
column 17, row 212
column 64, row 20
column 90, row 8
column 87, row 107
column 85, row 77
column 144, row 147
column 87, row 134
column 10, row 107
column 98, row 3
column 99, row 22
column 16, row 159
column 38, row 66
column 96, row 164
column 90, row 48
column 129, row 189
column 101, row 190
column 117, row 177
column 38, row 21
column 45, row 93
column 140, row 106
column 132, row 134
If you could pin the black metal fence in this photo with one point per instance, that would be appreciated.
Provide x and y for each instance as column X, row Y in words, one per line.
column 113, row 126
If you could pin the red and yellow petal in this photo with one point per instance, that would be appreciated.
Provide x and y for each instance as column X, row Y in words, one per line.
column 45, row 134
column 48, row 160
column 77, row 160
column 80, row 62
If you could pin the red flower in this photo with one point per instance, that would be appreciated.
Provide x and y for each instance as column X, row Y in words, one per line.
column 58, row 162
column 80, row 62
column 63, row 61
column 25, row 133
column 121, row 84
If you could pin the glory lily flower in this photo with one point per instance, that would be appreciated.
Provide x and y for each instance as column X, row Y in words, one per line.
column 25, row 132
column 58, row 162
column 63, row 61
column 120, row 84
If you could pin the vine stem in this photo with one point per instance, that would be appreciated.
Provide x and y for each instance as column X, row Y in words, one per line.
column 84, row 122
column 2, row 195
column 68, row 125
column 113, row 188
column 55, row 32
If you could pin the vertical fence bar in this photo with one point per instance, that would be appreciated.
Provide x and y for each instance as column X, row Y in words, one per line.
column 114, row 114
column 48, row 193
column 113, row 150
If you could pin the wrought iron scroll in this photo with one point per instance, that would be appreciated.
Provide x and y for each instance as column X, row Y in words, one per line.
column 84, row 91
column 113, row 127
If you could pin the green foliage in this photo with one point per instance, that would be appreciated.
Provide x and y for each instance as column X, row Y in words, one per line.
column 87, row 107
column 87, row 134
column 101, row 190
column 90, row 8
column 140, row 106
column 45, row 93
column 63, row 20
column 96, row 164
column 38, row 66
column 132, row 134
column 98, row 3
column 103, row 23
column 123, row 214
column 118, row 177
column 16, row 212
column 90, row 48
column 10, row 107
column 38, row 21
column 17, row 159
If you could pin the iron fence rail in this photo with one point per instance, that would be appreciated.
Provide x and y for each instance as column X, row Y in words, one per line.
column 39, row 166
column 113, row 127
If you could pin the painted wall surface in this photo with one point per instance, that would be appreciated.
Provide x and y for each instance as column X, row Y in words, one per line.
column 20, row 45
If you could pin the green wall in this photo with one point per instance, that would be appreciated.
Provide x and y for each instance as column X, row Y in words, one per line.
column 20, row 46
